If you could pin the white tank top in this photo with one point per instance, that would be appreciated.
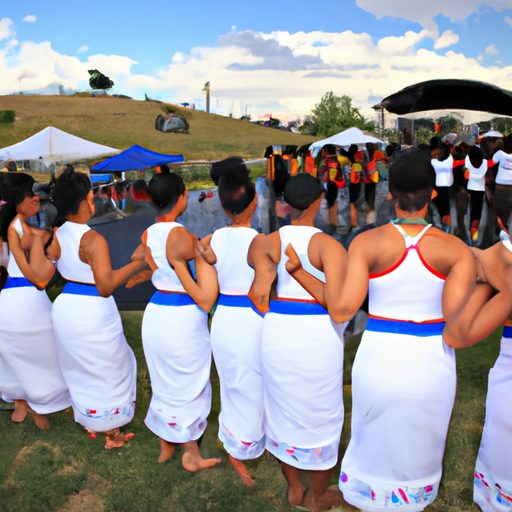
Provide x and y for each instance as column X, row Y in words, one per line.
column 299, row 237
column 231, row 246
column 12, row 267
column 476, row 175
column 409, row 290
column 164, row 278
column 504, row 176
column 444, row 171
column 70, row 266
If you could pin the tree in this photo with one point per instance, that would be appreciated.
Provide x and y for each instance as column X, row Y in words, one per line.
column 450, row 123
column 98, row 80
column 336, row 113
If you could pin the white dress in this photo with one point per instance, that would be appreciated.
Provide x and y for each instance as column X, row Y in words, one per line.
column 176, row 345
column 29, row 365
column 98, row 365
column 236, row 346
column 444, row 171
column 476, row 175
column 403, row 390
column 493, row 472
column 302, row 365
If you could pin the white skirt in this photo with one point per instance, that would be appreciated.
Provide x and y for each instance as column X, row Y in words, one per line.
column 302, row 366
column 403, row 390
column 236, row 346
column 29, row 365
column 177, row 349
column 98, row 365
column 493, row 471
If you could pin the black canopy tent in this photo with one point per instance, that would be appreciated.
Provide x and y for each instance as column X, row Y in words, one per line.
column 449, row 94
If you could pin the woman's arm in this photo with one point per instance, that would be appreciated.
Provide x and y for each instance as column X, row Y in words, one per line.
column 95, row 252
column 181, row 247
column 264, row 271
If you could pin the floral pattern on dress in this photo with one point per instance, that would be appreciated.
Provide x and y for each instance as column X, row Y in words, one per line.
column 126, row 410
column 498, row 495
column 307, row 456
column 403, row 497
column 239, row 449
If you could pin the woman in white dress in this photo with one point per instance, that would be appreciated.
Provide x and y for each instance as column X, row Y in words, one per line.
column 98, row 365
column 29, row 368
column 422, row 295
column 237, row 324
column 302, row 351
column 175, row 334
column 493, row 471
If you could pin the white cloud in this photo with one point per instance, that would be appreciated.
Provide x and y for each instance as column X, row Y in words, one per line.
column 508, row 21
column 6, row 29
column 491, row 49
column 425, row 12
column 447, row 38
column 83, row 49
column 29, row 18
column 279, row 72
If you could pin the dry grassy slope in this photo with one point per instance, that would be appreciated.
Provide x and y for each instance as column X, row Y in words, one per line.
column 121, row 123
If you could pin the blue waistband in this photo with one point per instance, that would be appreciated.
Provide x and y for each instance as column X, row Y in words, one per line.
column 17, row 282
column 237, row 301
column 171, row 299
column 507, row 331
column 401, row 327
column 81, row 289
column 296, row 307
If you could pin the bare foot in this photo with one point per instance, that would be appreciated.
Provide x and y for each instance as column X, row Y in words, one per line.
column 20, row 411
column 194, row 463
column 296, row 494
column 327, row 500
column 166, row 451
column 41, row 421
column 242, row 471
column 116, row 439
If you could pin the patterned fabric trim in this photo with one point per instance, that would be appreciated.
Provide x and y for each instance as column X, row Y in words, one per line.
column 364, row 495
column 498, row 495
column 241, row 450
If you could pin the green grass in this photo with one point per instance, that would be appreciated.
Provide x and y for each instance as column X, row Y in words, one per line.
column 61, row 469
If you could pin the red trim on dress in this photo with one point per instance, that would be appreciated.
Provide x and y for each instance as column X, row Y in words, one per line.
column 428, row 267
column 431, row 321
column 288, row 299
column 393, row 267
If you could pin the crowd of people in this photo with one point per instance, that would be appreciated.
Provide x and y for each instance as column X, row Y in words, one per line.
column 470, row 172
column 283, row 301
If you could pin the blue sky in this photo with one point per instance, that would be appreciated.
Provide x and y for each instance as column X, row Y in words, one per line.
column 275, row 57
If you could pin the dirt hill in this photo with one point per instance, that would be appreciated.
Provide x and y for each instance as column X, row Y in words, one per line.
column 121, row 123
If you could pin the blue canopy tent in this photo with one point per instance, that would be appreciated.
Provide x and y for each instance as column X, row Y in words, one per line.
column 136, row 158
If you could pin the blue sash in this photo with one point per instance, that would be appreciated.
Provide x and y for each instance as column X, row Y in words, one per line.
column 74, row 288
column 17, row 282
column 238, row 301
column 296, row 307
column 507, row 331
column 172, row 299
column 404, row 327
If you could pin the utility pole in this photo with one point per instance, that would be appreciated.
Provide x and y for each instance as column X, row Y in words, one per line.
column 207, row 89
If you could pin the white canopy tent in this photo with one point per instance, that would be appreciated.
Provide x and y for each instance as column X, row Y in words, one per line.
column 52, row 145
column 345, row 139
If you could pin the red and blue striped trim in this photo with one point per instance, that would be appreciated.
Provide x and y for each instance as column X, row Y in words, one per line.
column 237, row 301
column 405, row 327
column 296, row 307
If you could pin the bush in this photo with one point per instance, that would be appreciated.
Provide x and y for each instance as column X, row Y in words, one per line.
column 7, row 116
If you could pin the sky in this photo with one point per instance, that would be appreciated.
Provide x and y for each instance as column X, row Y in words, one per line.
column 263, row 57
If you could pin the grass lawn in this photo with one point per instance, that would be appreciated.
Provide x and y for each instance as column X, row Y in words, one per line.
column 61, row 469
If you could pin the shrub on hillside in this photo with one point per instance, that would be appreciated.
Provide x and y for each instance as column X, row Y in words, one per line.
column 7, row 116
